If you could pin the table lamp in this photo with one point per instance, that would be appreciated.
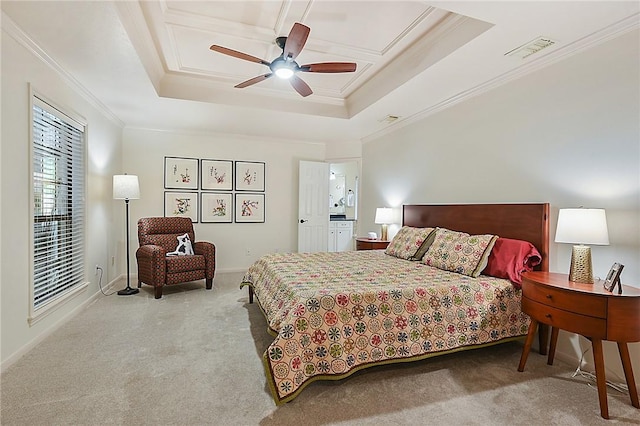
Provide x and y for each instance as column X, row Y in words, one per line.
column 582, row 227
column 384, row 216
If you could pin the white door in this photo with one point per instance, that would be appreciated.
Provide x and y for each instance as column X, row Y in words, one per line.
column 313, row 206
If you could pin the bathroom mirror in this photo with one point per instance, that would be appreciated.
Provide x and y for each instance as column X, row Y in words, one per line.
column 343, row 190
column 337, row 194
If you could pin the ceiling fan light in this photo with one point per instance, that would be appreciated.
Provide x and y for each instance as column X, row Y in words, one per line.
column 284, row 72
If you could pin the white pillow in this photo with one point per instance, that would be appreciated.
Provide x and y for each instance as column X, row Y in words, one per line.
column 184, row 246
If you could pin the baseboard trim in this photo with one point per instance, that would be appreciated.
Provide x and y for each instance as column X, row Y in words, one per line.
column 587, row 366
column 54, row 327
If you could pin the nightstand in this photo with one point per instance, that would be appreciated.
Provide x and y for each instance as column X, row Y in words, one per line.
column 369, row 244
column 586, row 309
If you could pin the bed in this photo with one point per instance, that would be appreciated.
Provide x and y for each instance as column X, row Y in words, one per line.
column 333, row 314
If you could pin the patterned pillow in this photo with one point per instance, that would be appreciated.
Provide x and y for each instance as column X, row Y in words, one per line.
column 407, row 241
column 459, row 252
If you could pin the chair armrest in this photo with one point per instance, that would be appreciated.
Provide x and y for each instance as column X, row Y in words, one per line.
column 150, row 250
column 151, row 265
column 208, row 250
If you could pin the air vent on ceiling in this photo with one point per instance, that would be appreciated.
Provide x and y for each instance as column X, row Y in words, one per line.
column 528, row 49
column 389, row 119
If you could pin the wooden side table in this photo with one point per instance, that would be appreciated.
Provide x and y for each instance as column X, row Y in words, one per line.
column 363, row 243
column 586, row 309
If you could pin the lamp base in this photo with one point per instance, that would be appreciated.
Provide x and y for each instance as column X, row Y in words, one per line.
column 581, row 270
column 384, row 235
column 128, row 291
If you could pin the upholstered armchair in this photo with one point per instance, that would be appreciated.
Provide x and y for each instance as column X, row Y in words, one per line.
column 158, row 236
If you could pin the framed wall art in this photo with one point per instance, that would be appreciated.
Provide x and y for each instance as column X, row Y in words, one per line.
column 180, row 173
column 181, row 204
column 250, row 208
column 216, row 175
column 216, row 207
column 249, row 176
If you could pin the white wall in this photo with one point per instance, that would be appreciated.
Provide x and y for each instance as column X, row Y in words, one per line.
column 144, row 152
column 19, row 68
column 567, row 134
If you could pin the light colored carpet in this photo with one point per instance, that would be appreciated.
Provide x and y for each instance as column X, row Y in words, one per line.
column 194, row 358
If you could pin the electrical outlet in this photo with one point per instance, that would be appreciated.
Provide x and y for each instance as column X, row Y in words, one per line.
column 113, row 260
column 97, row 269
column 247, row 252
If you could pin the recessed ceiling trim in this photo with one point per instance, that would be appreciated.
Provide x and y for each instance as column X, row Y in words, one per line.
column 344, row 50
column 420, row 24
column 307, row 11
column 282, row 17
column 174, row 53
column 355, row 82
column 204, row 90
column 419, row 20
column 206, row 23
column 132, row 17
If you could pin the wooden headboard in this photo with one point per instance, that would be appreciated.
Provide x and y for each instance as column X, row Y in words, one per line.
column 529, row 222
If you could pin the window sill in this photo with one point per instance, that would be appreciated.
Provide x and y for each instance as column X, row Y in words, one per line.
column 55, row 304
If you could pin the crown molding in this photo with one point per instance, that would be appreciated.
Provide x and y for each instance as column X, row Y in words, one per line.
column 227, row 135
column 15, row 32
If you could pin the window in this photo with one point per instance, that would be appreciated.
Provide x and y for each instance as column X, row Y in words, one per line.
column 58, row 184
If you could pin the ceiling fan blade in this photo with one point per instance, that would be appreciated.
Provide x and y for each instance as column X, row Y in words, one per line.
column 295, row 40
column 329, row 67
column 238, row 55
column 300, row 86
column 253, row 80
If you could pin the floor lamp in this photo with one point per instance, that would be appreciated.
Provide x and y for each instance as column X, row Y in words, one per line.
column 125, row 187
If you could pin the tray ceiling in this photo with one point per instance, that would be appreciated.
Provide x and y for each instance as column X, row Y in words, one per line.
column 390, row 43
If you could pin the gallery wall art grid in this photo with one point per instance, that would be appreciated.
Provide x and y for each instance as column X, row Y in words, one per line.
column 214, row 191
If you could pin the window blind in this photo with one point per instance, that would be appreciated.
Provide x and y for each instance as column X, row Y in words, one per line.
column 58, row 203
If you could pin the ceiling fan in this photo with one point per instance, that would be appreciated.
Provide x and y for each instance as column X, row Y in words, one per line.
column 285, row 66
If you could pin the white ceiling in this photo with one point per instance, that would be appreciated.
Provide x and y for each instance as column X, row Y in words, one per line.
column 149, row 62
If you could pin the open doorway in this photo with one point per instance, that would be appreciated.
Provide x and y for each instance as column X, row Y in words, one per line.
column 343, row 190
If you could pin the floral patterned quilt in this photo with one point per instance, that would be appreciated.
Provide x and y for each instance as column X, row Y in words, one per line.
column 336, row 313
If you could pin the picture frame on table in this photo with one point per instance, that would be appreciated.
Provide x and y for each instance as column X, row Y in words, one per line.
column 216, row 207
column 249, row 208
column 181, row 173
column 216, row 175
column 181, row 204
column 613, row 278
column 249, row 176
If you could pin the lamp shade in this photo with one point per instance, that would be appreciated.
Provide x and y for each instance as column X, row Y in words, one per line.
column 582, row 226
column 384, row 215
column 125, row 187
